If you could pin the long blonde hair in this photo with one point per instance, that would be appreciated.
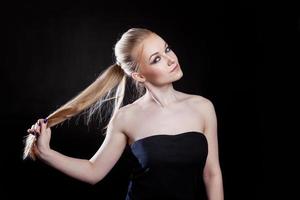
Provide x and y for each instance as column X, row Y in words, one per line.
column 110, row 85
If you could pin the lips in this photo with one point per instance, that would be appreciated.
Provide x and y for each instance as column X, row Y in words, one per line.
column 174, row 68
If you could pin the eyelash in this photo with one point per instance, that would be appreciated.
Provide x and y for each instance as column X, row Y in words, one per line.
column 167, row 50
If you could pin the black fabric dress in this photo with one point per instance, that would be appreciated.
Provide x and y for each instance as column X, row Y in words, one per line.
column 168, row 167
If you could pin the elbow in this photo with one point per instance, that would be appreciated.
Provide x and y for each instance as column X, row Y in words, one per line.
column 214, row 174
column 92, row 182
column 92, row 178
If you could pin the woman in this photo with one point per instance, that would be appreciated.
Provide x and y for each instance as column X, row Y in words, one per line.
column 172, row 135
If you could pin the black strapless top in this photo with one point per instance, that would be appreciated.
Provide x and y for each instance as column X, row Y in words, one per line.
column 168, row 167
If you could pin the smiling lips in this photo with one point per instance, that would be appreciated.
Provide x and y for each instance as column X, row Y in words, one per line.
column 174, row 68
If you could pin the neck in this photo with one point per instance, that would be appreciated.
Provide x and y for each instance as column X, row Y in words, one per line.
column 163, row 96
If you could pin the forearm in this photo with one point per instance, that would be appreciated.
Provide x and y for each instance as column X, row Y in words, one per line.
column 214, row 187
column 80, row 169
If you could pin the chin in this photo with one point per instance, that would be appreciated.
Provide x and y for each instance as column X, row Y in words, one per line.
column 178, row 76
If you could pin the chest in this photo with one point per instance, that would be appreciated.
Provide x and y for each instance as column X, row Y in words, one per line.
column 149, row 122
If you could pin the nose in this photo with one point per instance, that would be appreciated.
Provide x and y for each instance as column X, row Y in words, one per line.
column 170, row 60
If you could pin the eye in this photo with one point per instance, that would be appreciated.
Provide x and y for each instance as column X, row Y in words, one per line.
column 168, row 49
column 156, row 59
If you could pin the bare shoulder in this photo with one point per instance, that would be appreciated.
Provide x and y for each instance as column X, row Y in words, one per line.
column 125, row 111
column 200, row 103
column 123, row 116
column 193, row 98
column 118, row 120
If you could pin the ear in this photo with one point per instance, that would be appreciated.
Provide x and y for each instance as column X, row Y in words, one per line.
column 138, row 77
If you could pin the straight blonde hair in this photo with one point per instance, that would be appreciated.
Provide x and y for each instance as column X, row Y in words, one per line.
column 109, row 85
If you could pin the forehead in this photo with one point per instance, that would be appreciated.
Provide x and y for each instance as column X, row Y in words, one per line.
column 152, row 44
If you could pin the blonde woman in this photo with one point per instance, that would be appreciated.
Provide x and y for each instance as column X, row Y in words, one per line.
column 172, row 135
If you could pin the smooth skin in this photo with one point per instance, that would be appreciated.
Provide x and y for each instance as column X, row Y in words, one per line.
column 157, row 61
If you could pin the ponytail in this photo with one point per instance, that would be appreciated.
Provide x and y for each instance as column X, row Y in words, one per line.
column 92, row 97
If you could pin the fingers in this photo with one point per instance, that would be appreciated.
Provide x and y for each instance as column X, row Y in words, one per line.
column 43, row 124
column 38, row 127
column 32, row 130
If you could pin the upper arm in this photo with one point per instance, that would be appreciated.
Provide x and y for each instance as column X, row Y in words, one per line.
column 212, row 166
column 111, row 149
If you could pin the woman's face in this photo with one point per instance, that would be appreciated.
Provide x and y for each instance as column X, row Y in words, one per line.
column 158, row 63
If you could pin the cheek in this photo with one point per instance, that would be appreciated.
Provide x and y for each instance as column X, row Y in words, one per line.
column 153, row 74
column 157, row 76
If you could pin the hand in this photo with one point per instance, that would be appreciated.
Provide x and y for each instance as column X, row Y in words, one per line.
column 43, row 136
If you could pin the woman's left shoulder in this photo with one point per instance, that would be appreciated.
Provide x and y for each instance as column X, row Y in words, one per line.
column 203, row 106
column 200, row 103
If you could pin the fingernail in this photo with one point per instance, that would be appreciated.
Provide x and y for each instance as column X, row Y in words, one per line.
column 45, row 120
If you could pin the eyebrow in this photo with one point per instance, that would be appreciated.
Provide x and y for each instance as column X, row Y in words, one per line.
column 156, row 52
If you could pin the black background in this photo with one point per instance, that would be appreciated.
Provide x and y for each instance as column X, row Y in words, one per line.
column 53, row 51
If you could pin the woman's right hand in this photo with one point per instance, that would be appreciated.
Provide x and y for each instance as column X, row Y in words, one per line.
column 43, row 136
